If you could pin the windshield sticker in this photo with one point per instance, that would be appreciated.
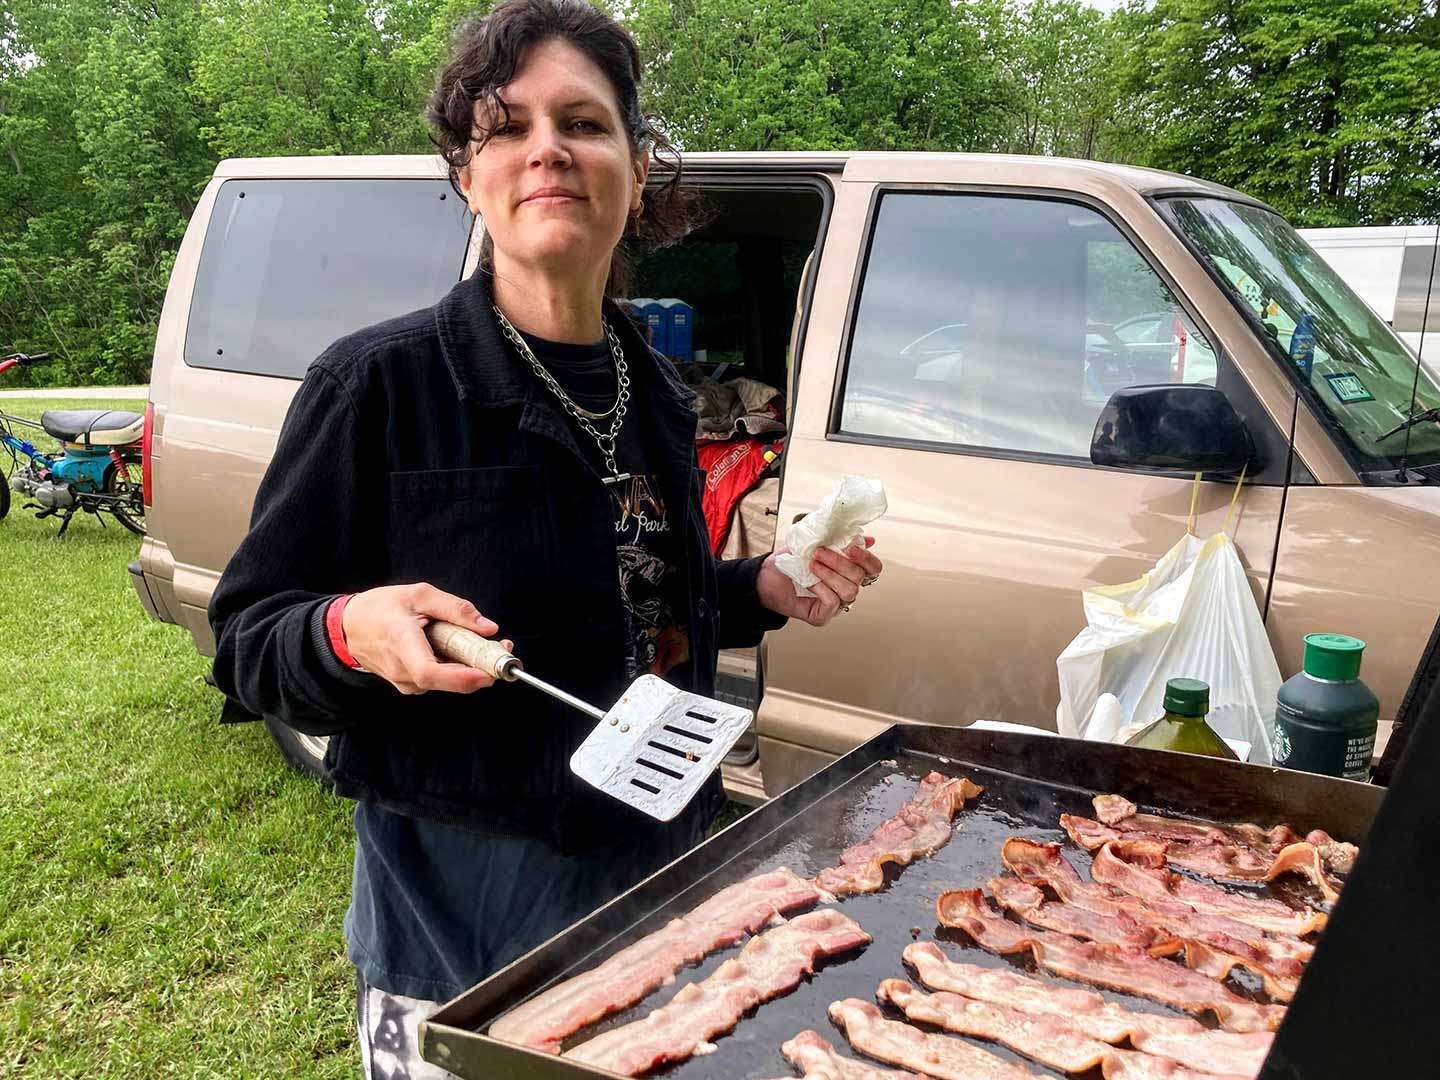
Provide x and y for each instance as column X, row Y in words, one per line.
column 1348, row 388
column 1302, row 344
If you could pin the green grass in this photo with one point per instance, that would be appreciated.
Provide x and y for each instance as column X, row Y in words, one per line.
column 170, row 894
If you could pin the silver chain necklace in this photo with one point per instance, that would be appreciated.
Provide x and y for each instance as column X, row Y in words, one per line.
column 605, row 442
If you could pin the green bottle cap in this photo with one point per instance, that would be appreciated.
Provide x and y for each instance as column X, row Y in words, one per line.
column 1188, row 697
column 1333, row 656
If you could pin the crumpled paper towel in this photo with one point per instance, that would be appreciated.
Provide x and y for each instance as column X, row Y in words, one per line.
column 1107, row 720
column 836, row 523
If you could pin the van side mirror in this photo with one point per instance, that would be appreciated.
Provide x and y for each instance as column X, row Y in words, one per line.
column 1186, row 428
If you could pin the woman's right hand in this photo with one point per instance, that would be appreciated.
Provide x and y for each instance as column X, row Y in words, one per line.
column 385, row 632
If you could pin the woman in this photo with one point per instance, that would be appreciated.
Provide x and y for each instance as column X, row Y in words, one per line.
column 516, row 460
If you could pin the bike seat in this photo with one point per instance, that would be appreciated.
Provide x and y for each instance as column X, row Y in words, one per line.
column 93, row 427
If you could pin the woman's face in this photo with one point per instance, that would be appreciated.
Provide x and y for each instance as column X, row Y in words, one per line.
column 556, row 183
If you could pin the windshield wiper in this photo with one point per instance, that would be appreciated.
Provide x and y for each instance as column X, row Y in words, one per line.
column 1418, row 418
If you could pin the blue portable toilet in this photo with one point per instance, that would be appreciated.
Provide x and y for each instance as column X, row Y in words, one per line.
column 680, row 318
column 654, row 316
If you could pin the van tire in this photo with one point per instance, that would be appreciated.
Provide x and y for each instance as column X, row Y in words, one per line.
column 303, row 753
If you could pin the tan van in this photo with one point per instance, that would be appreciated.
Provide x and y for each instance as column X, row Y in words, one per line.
column 952, row 324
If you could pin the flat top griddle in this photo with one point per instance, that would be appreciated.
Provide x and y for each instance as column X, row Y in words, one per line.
column 807, row 828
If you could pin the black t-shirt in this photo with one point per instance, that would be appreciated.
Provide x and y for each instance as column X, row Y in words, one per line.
column 647, row 535
column 435, row 908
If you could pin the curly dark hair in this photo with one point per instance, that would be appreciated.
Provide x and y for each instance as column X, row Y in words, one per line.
column 485, row 53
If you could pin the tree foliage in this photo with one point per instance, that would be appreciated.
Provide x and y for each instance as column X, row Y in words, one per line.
column 824, row 74
column 114, row 113
column 1330, row 112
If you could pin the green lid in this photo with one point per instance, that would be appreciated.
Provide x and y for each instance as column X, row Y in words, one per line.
column 1188, row 697
column 1333, row 656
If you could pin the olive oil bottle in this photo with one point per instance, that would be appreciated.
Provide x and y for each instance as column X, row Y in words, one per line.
column 1183, row 726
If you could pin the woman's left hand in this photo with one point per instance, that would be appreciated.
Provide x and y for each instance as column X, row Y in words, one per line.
column 841, row 579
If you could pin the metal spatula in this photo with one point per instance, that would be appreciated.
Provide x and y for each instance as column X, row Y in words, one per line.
column 653, row 749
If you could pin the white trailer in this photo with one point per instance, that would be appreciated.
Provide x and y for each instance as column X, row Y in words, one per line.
column 1389, row 266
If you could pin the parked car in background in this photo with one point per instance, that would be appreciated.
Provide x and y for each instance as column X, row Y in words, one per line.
column 1392, row 268
column 951, row 324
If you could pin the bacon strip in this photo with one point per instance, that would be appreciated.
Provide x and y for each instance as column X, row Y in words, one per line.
column 1043, row 864
column 818, row 1060
column 1121, row 812
column 1176, row 1037
column 1089, row 833
column 1090, row 1012
column 1217, row 860
column 767, row 967
column 1137, row 867
column 920, row 828
column 1105, row 928
column 935, row 1055
column 1244, row 852
column 1338, row 855
column 1050, row 1040
column 1213, row 959
column 1212, row 944
column 1207, row 1051
column 544, row 1021
column 1205, row 857
column 1305, row 858
column 1124, row 1065
column 1112, row 966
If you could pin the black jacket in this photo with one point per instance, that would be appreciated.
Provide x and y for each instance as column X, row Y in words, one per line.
column 420, row 449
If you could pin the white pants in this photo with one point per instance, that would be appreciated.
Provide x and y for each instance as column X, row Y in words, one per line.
column 389, row 1029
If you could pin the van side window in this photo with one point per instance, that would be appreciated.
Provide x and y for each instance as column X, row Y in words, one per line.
column 1006, row 323
column 289, row 266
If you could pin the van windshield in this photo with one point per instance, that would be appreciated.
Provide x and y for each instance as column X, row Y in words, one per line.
column 1350, row 364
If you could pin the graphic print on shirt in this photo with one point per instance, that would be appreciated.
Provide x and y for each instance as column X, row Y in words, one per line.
column 656, row 640
column 390, row 1044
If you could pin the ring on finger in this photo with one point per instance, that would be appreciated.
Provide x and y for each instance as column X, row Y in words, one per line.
column 845, row 604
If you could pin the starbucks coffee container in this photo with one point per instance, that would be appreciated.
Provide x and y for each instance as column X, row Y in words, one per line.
column 1325, row 717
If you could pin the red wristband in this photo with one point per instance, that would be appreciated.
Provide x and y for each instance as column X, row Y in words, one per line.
column 335, row 630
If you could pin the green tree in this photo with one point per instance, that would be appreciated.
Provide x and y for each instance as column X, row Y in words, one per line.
column 1330, row 112
column 1063, row 61
column 305, row 77
column 104, row 166
column 114, row 112
column 143, row 166
column 821, row 75
column 42, row 292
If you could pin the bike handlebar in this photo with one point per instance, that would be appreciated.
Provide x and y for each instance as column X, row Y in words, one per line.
column 24, row 360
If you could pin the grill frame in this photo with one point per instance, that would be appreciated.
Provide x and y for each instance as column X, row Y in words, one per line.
column 1185, row 784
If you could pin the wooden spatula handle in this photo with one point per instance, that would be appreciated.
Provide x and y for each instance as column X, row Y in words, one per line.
column 467, row 647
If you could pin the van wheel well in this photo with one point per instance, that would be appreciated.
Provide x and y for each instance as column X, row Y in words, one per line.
column 303, row 753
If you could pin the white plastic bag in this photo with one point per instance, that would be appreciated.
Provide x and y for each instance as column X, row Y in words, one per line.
column 1192, row 615
column 837, row 522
